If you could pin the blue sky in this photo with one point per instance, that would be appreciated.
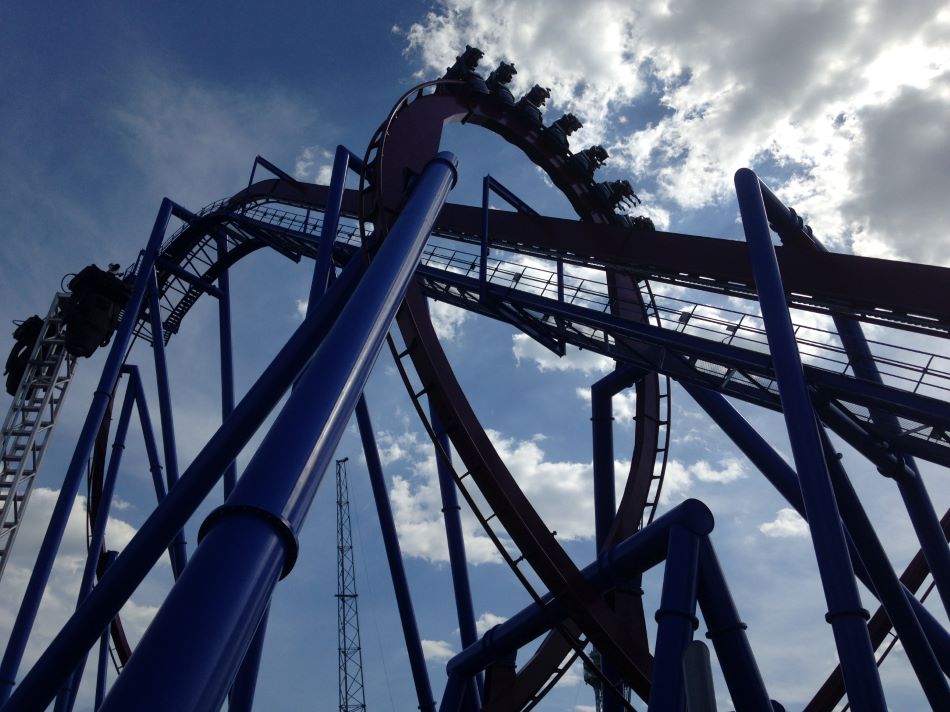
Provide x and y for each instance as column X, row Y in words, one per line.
column 842, row 107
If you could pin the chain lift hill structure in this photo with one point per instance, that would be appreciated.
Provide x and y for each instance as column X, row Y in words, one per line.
column 380, row 252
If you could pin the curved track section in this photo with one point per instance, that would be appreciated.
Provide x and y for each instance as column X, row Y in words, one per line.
column 408, row 138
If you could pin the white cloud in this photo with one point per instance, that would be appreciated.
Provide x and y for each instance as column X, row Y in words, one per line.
column 678, row 479
column 301, row 308
column 844, row 106
column 488, row 620
column 59, row 599
column 562, row 493
column 787, row 523
column 437, row 651
column 314, row 164
column 525, row 348
column 191, row 140
column 395, row 447
column 624, row 405
column 447, row 319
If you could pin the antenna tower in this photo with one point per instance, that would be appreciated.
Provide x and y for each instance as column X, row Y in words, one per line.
column 351, row 658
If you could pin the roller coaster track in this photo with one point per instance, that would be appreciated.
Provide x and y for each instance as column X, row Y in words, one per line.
column 605, row 314
column 607, row 307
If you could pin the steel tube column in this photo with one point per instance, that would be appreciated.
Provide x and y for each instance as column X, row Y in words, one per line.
column 77, row 466
column 727, row 633
column 174, row 509
column 885, row 582
column 451, row 513
column 602, row 439
column 102, row 672
column 675, row 620
column 911, row 486
column 179, row 556
column 407, row 617
column 67, row 694
column 211, row 614
column 615, row 566
column 846, row 615
column 227, row 357
column 868, row 556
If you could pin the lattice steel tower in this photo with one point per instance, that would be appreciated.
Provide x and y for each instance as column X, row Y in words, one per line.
column 351, row 658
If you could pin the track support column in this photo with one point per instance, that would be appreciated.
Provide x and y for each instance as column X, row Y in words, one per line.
column 77, row 465
column 846, row 615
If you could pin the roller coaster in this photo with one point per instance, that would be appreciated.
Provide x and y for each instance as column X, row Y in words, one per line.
column 599, row 283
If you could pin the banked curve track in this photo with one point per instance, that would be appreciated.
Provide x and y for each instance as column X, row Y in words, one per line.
column 407, row 140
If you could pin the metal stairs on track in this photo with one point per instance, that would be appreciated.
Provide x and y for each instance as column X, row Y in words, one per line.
column 29, row 423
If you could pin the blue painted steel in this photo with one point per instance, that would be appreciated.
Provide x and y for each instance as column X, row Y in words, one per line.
column 331, row 221
column 911, row 486
column 886, row 584
column 77, row 467
column 831, row 384
column 602, row 418
column 407, row 616
column 173, row 511
column 241, row 696
column 483, row 261
column 178, row 552
column 727, row 633
column 148, row 433
column 783, row 478
column 451, row 512
column 675, row 620
column 923, row 517
column 67, row 695
column 227, row 354
column 846, row 614
column 102, row 671
column 613, row 567
column 163, row 264
column 211, row 613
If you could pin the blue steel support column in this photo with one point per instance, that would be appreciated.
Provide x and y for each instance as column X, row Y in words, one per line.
column 227, row 357
column 846, row 615
column 148, row 434
column 870, row 560
column 410, row 630
column 727, row 633
column 77, row 465
column 158, row 531
column 67, row 695
column 178, row 552
column 331, row 221
column 451, row 512
column 911, row 486
column 213, row 611
column 675, row 621
column 102, row 672
column 483, row 262
column 602, row 418
column 614, row 567
column 886, row 584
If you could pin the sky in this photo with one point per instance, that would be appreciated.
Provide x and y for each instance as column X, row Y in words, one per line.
column 843, row 108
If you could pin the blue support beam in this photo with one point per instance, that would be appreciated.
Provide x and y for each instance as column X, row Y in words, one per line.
column 179, row 555
column 173, row 511
column 213, row 611
column 67, row 694
column 77, row 467
column 226, row 352
column 675, row 621
column 614, row 567
column 407, row 616
column 845, row 612
column 451, row 512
